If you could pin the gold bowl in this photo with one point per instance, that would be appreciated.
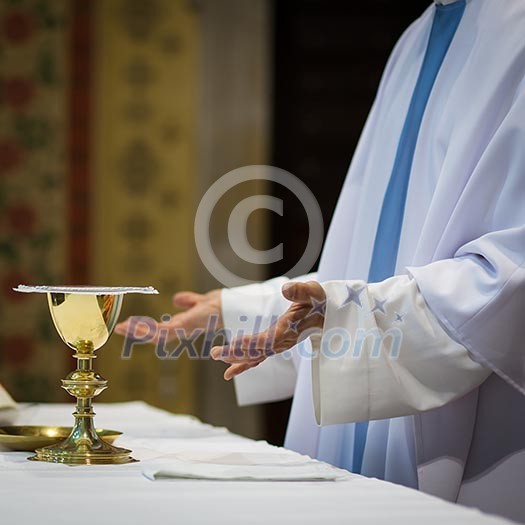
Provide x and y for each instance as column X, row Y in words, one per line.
column 31, row 437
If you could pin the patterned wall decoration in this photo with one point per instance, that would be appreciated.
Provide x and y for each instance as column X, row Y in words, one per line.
column 145, row 67
column 97, row 115
column 33, row 127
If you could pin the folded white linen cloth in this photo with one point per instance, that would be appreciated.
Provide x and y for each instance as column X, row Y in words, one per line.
column 6, row 401
column 8, row 407
column 241, row 466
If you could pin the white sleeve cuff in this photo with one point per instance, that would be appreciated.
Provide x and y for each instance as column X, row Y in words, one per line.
column 384, row 354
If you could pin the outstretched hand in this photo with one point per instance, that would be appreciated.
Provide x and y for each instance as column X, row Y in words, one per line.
column 304, row 317
column 198, row 308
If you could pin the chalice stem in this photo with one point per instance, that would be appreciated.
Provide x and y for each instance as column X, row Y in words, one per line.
column 84, row 430
column 84, row 384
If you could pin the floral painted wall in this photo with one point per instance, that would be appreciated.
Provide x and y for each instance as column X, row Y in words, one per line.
column 97, row 113
column 33, row 130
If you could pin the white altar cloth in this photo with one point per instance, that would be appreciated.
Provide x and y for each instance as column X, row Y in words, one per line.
column 58, row 494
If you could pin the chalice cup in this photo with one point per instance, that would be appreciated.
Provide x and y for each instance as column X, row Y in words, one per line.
column 84, row 318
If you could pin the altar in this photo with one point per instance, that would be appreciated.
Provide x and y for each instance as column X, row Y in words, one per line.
column 60, row 494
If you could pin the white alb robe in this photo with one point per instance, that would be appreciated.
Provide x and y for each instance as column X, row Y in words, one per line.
column 460, row 277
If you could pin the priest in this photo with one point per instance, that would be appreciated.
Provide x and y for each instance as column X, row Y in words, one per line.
column 412, row 361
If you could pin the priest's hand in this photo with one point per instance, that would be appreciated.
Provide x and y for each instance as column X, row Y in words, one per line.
column 198, row 310
column 304, row 317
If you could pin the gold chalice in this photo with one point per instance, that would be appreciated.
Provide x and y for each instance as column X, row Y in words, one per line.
column 84, row 318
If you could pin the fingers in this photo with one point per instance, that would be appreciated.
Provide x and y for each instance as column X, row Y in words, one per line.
column 133, row 326
column 303, row 292
column 235, row 370
column 122, row 328
column 187, row 299
column 246, row 349
column 147, row 330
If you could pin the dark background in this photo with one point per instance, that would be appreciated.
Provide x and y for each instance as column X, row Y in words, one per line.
column 328, row 60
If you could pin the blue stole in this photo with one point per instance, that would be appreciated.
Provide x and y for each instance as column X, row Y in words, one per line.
column 386, row 244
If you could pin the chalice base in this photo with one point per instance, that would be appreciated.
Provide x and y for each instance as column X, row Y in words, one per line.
column 71, row 453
